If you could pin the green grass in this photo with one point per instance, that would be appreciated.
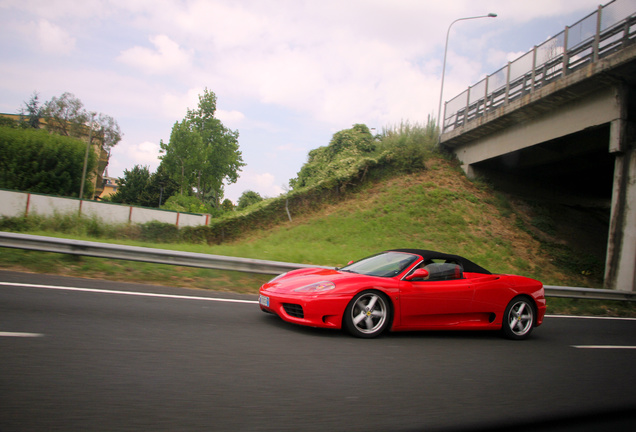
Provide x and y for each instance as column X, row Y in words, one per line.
column 435, row 209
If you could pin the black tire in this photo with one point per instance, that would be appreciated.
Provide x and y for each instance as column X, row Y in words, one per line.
column 519, row 318
column 368, row 314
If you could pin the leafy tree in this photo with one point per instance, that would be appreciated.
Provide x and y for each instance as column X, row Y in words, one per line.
column 33, row 111
column 248, row 198
column 227, row 205
column 162, row 186
column 65, row 115
column 344, row 150
column 182, row 154
column 134, row 187
column 108, row 130
column 202, row 153
column 140, row 187
column 37, row 161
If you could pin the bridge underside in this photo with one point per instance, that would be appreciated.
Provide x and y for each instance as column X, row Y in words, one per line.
column 579, row 154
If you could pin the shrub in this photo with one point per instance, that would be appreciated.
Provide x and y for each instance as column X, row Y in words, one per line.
column 159, row 232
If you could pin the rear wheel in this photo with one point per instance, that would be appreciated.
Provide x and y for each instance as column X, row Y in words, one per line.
column 518, row 320
column 368, row 314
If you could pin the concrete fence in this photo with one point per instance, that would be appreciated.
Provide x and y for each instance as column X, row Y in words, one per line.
column 17, row 204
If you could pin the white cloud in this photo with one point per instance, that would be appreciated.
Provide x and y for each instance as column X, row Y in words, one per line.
column 126, row 155
column 53, row 39
column 167, row 57
column 176, row 106
column 285, row 71
column 230, row 119
column 266, row 184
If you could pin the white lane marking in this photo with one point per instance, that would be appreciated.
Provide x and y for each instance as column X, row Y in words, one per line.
column 591, row 317
column 131, row 293
column 19, row 334
column 603, row 346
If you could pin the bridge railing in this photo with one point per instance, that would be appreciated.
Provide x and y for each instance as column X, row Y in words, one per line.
column 607, row 30
column 191, row 259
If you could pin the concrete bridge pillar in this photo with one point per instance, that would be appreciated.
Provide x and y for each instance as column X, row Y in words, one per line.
column 620, row 273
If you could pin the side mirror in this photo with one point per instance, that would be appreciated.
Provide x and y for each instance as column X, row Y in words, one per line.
column 418, row 274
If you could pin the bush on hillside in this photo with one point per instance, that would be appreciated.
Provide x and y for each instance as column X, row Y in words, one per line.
column 34, row 160
column 344, row 151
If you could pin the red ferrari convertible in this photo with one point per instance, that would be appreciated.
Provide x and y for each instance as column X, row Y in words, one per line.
column 407, row 289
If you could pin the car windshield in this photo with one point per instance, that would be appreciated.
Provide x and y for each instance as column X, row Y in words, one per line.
column 387, row 264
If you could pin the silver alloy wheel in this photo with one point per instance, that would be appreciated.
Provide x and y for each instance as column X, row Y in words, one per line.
column 369, row 313
column 520, row 318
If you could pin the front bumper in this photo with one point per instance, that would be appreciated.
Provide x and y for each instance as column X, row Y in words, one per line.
column 323, row 311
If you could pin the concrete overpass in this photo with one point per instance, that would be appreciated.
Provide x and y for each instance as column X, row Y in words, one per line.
column 560, row 122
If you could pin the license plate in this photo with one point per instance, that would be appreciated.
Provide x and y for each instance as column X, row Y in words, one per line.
column 264, row 300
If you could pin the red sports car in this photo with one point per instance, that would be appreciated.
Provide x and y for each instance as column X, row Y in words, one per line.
column 407, row 289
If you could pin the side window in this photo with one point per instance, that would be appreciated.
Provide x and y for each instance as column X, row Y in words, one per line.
column 440, row 271
column 444, row 271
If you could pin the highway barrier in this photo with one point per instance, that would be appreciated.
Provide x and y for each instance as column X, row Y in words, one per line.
column 219, row 262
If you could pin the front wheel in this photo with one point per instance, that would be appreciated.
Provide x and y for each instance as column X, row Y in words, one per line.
column 367, row 315
column 518, row 320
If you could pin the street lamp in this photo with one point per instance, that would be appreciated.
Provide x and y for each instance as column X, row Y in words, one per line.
column 441, row 91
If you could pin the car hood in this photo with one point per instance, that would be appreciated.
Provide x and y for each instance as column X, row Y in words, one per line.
column 299, row 278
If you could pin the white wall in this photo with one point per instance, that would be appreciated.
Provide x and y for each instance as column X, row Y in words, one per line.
column 15, row 204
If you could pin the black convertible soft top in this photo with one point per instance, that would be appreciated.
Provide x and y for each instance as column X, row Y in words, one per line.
column 466, row 264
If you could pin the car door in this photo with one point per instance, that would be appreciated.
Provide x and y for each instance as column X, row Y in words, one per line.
column 431, row 304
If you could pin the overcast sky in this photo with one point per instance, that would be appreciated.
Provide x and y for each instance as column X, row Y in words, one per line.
column 287, row 73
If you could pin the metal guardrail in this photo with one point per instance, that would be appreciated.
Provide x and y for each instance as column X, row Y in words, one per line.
column 607, row 30
column 588, row 293
column 219, row 262
column 136, row 253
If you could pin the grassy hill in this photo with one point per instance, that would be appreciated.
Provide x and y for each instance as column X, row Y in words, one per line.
column 436, row 208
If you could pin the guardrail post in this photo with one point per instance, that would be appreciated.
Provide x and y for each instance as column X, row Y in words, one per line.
column 566, row 57
column 486, row 95
column 597, row 36
column 443, row 119
column 534, row 68
column 507, row 84
column 467, row 105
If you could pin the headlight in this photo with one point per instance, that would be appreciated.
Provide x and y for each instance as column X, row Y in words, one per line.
column 277, row 277
column 317, row 287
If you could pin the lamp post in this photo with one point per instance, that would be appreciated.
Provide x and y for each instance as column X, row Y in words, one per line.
column 90, row 138
column 441, row 91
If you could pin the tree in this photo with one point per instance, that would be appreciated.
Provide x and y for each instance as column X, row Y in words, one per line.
column 227, row 205
column 162, row 186
column 134, row 187
column 248, row 198
column 344, row 150
column 182, row 154
column 37, row 161
column 140, row 187
column 33, row 111
column 65, row 115
column 109, row 131
column 202, row 153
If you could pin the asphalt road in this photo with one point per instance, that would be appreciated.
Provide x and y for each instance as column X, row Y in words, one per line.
column 74, row 360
